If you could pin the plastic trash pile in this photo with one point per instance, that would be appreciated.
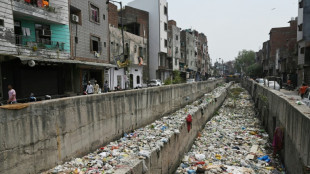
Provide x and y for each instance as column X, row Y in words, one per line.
column 136, row 145
column 233, row 141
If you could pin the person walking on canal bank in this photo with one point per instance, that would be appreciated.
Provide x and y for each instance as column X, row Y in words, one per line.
column 12, row 95
column 302, row 90
column 89, row 88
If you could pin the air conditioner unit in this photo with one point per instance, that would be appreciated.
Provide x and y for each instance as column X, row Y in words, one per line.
column 46, row 32
column 75, row 18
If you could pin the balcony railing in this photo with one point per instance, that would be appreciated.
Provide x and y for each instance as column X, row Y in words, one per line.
column 44, row 5
column 28, row 42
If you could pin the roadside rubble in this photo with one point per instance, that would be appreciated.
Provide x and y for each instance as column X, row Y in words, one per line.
column 139, row 144
column 233, row 141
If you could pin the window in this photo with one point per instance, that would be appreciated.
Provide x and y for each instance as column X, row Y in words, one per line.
column 176, row 49
column 176, row 62
column 135, row 49
column 95, row 44
column 166, row 43
column 300, row 27
column 105, row 44
column 43, row 34
column 302, row 50
column 301, row 4
column 182, row 55
column 165, row 10
column 1, row 22
column 140, row 52
column 94, row 13
column 176, row 37
column 103, row 16
column 166, row 26
column 138, row 79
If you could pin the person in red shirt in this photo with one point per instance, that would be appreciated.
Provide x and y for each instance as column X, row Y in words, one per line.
column 12, row 95
column 302, row 90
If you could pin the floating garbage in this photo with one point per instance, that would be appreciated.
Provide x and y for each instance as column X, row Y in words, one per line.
column 233, row 141
column 138, row 144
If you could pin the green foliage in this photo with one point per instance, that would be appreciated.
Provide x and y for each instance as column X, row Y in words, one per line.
column 255, row 70
column 244, row 59
column 177, row 79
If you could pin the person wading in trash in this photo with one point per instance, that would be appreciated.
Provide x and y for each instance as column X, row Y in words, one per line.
column 89, row 88
column 302, row 90
column 189, row 122
column 12, row 95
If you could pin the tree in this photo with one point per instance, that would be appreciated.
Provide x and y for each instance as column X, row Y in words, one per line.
column 244, row 59
column 255, row 70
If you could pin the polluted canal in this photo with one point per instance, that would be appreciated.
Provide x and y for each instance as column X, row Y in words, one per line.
column 233, row 141
column 138, row 151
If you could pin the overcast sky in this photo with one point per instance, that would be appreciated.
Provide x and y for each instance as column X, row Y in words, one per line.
column 232, row 25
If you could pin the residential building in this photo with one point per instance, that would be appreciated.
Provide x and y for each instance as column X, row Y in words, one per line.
column 203, row 56
column 266, row 57
column 303, row 39
column 89, row 29
column 35, row 48
column 189, row 49
column 281, row 38
column 174, row 45
column 136, row 48
column 158, row 36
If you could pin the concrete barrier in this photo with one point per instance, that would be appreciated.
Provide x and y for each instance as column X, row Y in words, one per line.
column 168, row 158
column 277, row 110
column 50, row 132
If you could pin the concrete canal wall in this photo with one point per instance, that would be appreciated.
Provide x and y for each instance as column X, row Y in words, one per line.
column 48, row 133
column 168, row 158
column 277, row 110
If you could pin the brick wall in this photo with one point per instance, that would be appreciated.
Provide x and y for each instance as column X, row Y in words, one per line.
column 140, row 16
column 113, row 16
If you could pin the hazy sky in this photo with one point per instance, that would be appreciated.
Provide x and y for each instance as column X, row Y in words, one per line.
column 232, row 25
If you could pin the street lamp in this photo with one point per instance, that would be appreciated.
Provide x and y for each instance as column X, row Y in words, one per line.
column 107, row 2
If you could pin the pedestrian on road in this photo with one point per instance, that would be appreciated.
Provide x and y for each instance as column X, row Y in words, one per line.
column 106, row 87
column 90, row 88
column 302, row 90
column 12, row 95
column 96, row 88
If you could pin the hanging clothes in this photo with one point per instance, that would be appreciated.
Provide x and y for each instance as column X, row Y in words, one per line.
column 277, row 143
column 189, row 122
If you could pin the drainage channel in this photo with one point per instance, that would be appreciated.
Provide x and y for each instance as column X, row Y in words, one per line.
column 156, row 148
column 233, row 141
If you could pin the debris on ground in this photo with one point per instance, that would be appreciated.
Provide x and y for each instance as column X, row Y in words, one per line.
column 136, row 145
column 233, row 141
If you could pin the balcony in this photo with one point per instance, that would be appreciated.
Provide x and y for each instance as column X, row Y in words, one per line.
column 51, row 14
column 45, row 48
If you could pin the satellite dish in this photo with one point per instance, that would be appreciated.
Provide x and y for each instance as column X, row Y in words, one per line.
column 31, row 63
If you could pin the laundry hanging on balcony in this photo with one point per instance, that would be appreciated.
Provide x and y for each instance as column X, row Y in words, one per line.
column 26, row 31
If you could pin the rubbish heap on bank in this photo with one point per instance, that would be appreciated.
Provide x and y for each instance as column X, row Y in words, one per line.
column 233, row 141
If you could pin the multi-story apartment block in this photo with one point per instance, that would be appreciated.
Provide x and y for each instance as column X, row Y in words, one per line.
column 189, row 49
column 303, row 39
column 89, row 29
column 136, row 47
column 280, row 39
column 174, row 45
column 158, row 36
column 203, row 55
column 34, row 47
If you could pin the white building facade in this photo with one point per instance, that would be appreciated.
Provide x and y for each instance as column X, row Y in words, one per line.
column 158, row 36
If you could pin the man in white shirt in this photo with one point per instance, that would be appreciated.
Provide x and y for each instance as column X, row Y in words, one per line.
column 89, row 88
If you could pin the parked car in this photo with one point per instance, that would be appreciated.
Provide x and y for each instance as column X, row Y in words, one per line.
column 260, row 81
column 211, row 78
column 155, row 82
column 274, row 85
column 190, row 80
